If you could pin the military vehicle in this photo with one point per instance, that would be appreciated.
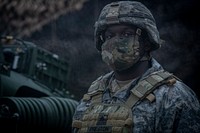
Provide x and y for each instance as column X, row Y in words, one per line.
column 33, row 89
column 28, row 70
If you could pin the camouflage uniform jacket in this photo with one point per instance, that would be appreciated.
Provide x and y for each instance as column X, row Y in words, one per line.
column 176, row 108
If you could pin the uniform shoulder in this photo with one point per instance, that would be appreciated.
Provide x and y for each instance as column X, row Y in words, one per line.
column 99, row 83
column 178, row 93
column 185, row 91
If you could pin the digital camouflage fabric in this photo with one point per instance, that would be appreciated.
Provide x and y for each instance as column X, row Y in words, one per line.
column 155, row 101
column 127, row 12
column 121, row 53
column 174, row 109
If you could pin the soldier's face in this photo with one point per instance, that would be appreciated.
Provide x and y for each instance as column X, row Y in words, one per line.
column 120, row 31
column 123, row 31
column 121, row 47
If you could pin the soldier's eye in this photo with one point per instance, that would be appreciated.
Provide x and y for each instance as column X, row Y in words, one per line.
column 108, row 36
column 128, row 34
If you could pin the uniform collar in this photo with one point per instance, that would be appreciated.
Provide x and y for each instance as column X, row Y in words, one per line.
column 155, row 66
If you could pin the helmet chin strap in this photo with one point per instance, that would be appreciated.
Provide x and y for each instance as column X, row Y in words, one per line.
column 143, row 57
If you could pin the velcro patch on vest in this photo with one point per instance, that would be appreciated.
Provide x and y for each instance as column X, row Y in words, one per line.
column 145, row 85
column 148, row 85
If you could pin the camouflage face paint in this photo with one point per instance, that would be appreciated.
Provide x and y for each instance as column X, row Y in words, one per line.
column 120, row 53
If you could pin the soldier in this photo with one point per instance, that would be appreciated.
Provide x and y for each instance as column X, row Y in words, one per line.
column 138, row 95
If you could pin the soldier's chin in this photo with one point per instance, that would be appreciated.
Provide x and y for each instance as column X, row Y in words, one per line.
column 118, row 69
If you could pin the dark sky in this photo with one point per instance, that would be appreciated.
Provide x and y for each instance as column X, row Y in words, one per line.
column 71, row 36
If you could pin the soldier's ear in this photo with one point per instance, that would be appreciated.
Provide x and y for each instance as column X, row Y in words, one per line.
column 145, row 41
column 147, row 46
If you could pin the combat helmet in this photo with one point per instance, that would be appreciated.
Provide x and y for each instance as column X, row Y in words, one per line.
column 127, row 12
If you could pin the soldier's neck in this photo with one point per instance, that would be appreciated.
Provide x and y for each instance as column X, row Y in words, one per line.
column 133, row 72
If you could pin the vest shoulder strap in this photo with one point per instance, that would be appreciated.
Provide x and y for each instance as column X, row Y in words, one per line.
column 97, row 88
column 147, row 85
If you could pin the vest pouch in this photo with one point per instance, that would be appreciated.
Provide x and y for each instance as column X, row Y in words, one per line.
column 107, row 118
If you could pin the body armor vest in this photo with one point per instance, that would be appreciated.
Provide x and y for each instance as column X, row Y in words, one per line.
column 117, row 118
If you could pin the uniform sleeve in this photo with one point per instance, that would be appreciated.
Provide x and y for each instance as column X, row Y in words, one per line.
column 78, row 114
column 178, row 110
column 85, row 102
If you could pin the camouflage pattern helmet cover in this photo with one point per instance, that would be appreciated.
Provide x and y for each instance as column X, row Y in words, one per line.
column 127, row 12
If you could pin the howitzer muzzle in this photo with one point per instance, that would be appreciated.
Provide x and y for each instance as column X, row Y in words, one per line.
column 47, row 113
